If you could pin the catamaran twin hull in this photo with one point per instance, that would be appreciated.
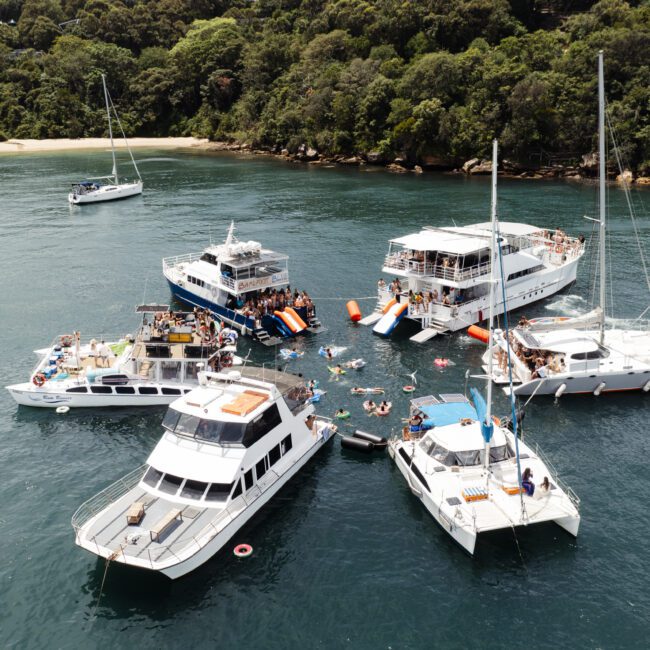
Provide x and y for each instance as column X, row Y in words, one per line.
column 107, row 193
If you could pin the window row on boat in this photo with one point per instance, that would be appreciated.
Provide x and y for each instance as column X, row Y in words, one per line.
column 178, row 486
column 128, row 390
column 465, row 457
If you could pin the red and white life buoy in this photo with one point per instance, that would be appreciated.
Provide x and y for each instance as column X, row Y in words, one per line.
column 66, row 340
column 39, row 379
column 243, row 550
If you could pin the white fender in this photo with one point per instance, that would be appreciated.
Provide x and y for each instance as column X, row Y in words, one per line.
column 560, row 390
column 599, row 388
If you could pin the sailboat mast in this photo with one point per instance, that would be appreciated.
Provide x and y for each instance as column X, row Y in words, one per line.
column 110, row 128
column 493, row 267
column 602, row 179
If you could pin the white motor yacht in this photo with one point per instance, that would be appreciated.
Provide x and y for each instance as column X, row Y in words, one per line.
column 465, row 466
column 153, row 368
column 444, row 275
column 225, row 277
column 561, row 355
column 97, row 190
column 227, row 449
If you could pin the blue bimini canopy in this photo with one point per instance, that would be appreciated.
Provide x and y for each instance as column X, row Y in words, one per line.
column 439, row 415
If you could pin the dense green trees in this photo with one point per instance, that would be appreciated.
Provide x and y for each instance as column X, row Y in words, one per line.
column 420, row 80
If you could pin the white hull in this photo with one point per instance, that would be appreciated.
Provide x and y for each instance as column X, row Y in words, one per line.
column 107, row 193
column 27, row 394
column 465, row 522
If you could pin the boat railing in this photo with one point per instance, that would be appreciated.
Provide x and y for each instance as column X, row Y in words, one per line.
column 170, row 262
column 575, row 499
column 106, row 497
column 439, row 309
column 440, row 271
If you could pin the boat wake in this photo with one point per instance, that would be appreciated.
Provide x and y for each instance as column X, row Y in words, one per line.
column 569, row 305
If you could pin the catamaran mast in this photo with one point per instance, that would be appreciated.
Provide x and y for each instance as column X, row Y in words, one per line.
column 602, row 198
column 110, row 129
column 487, row 429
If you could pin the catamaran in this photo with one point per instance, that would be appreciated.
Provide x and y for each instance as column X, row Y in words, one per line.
column 443, row 275
column 561, row 355
column 228, row 447
column 153, row 368
column 98, row 189
column 465, row 466
column 246, row 286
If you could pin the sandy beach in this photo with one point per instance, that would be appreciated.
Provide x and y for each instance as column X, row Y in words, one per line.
column 63, row 144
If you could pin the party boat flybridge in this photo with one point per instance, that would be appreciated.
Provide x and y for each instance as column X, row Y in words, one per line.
column 445, row 275
column 228, row 448
column 562, row 355
column 465, row 466
column 95, row 190
column 153, row 368
column 245, row 285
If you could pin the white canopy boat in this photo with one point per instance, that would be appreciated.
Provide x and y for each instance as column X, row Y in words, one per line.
column 238, row 281
column 465, row 466
column 94, row 190
column 153, row 368
column 561, row 355
column 228, row 447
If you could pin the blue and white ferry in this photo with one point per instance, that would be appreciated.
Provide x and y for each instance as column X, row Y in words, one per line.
column 240, row 282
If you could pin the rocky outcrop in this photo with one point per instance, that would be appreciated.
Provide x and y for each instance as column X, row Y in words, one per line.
column 470, row 164
column 627, row 177
column 643, row 180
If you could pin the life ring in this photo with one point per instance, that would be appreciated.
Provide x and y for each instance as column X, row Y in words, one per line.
column 243, row 550
column 39, row 379
column 441, row 362
column 62, row 409
column 559, row 248
column 408, row 389
column 496, row 420
column 66, row 340
column 343, row 416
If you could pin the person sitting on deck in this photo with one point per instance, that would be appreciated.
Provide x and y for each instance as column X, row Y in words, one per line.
column 527, row 483
column 415, row 422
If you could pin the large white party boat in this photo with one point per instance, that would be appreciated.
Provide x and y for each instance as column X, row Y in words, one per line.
column 245, row 285
column 445, row 275
column 228, row 448
column 153, row 368
column 562, row 355
column 465, row 465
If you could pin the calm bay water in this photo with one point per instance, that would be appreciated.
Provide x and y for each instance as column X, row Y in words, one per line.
column 345, row 556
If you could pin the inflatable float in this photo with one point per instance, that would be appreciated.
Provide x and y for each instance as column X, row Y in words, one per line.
column 384, row 409
column 441, row 362
column 366, row 391
column 317, row 394
column 336, row 370
column 369, row 406
column 334, row 351
column 290, row 354
column 355, row 364
column 342, row 415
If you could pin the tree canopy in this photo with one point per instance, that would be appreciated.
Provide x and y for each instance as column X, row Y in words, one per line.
column 432, row 78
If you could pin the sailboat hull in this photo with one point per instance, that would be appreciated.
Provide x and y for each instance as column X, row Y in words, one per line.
column 107, row 193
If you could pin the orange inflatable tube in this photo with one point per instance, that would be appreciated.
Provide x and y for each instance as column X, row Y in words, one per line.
column 478, row 333
column 388, row 305
column 288, row 320
column 296, row 317
column 353, row 311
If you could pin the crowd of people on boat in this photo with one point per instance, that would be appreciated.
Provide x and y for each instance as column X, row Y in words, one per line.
column 559, row 242
column 539, row 362
column 420, row 301
column 262, row 303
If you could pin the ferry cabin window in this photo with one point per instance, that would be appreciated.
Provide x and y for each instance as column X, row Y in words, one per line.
column 218, row 492
column 193, row 489
column 101, row 389
column 248, row 479
column 209, row 258
column 286, row 445
column 125, row 390
column 170, row 484
column 152, row 477
column 77, row 389
column 260, row 468
column 261, row 425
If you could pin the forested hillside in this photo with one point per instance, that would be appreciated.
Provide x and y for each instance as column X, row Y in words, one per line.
column 428, row 80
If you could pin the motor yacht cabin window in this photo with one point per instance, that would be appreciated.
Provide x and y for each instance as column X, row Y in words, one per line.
column 248, row 479
column 193, row 489
column 170, row 484
column 152, row 477
column 77, row 389
column 101, row 389
column 218, row 491
column 147, row 390
column 125, row 390
column 600, row 353
column 170, row 419
column 286, row 444
column 238, row 490
column 260, row 468
column 274, row 455
column 262, row 425
column 170, row 391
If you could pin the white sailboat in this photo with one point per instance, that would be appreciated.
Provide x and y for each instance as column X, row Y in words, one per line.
column 94, row 190
column 465, row 466
column 560, row 355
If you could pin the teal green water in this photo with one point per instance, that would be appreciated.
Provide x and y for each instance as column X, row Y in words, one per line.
column 345, row 556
